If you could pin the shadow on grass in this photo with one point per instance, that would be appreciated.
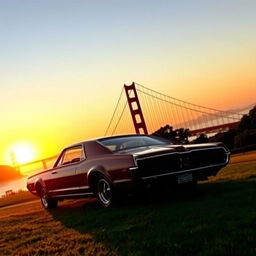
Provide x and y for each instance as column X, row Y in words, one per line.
column 219, row 219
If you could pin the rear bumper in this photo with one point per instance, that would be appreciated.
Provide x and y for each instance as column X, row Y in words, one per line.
column 137, row 182
column 202, row 173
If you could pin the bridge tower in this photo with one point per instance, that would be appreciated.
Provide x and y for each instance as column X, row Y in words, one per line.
column 135, row 109
column 14, row 161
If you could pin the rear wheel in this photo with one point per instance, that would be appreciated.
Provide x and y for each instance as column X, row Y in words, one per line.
column 46, row 200
column 105, row 192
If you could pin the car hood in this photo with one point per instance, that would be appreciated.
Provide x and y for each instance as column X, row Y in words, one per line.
column 164, row 149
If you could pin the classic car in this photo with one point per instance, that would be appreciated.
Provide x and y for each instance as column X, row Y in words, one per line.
column 107, row 167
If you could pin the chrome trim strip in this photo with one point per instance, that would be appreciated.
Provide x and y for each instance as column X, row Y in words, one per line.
column 123, row 180
column 81, row 194
column 133, row 168
column 84, row 187
column 68, row 189
column 185, row 152
column 188, row 170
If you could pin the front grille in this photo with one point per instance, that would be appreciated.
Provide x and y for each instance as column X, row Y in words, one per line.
column 180, row 161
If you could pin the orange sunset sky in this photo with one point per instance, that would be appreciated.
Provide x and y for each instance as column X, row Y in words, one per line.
column 63, row 63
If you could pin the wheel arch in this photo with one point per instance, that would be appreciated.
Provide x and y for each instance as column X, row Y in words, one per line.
column 94, row 173
column 39, row 185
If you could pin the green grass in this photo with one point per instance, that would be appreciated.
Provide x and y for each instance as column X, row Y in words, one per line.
column 238, row 171
column 220, row 219
column 39, row 234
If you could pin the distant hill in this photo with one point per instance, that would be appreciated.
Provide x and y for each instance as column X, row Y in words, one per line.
column 8, row 173
column 244, row 110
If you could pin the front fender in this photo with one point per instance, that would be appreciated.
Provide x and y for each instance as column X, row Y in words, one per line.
column 39, row 183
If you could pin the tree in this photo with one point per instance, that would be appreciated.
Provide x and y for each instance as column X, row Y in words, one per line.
column 182, row 135
column 166, row 132
column 248, row 121
column 226, row 137
column 177, row 136
column 245, row 138
column 202, row 138
column 252, row 115
column 246, row 134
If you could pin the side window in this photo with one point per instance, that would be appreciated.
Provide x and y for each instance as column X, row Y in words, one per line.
column 71, row 155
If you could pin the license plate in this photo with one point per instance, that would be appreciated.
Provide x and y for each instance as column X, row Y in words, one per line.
column 184, row 178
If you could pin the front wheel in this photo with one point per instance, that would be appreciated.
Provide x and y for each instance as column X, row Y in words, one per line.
column 105, row 192
column 47, row 201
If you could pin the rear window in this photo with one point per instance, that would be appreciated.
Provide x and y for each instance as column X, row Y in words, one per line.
column 127, row 142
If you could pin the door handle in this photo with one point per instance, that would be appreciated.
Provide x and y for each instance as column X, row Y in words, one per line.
column 54, row 172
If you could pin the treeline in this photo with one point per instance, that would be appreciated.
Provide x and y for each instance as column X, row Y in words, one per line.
column 243, row 138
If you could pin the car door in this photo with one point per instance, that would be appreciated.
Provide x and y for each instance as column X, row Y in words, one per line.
column 62, row 180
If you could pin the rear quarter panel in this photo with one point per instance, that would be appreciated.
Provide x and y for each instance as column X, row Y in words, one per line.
column 115, row 167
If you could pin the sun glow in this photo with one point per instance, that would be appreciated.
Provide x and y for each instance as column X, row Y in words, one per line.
column 22, row 153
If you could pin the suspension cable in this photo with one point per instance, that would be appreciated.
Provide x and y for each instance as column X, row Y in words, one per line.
column 178, row 105
column 226, row 112
column 117, row 104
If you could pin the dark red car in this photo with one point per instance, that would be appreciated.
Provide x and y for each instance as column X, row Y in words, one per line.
column 106, row 167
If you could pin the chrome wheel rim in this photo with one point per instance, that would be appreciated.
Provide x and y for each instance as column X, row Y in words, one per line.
column 104, row 191
column 44, row 200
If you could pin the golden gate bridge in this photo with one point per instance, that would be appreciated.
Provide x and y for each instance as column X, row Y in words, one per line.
column 142, row 110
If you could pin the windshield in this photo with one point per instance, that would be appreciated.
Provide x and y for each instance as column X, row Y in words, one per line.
column 127, row 142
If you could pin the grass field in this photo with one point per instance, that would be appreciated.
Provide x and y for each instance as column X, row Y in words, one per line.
column 220, row 219
column 20, row 197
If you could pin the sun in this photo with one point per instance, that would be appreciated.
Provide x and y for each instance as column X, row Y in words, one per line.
column 22, row 152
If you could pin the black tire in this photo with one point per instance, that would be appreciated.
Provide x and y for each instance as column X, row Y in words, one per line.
column 105, row 192
column 46, row 201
